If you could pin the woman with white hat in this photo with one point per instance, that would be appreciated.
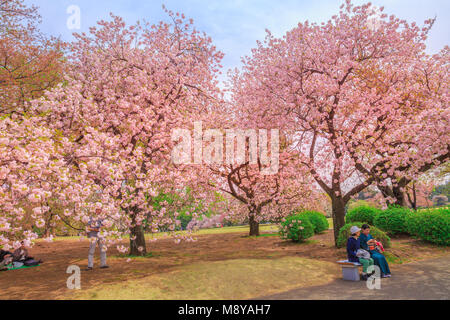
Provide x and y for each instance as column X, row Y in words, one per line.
column 353, row 246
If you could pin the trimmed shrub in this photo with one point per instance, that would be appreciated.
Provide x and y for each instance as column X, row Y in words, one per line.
column 296, row 228
column 364, row 214
column 413, row 222
column 318, row 220
column 430, row 225
column 392, row 220
column 344, row 234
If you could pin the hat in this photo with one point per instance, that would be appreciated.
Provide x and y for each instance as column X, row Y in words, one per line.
column 354, row 229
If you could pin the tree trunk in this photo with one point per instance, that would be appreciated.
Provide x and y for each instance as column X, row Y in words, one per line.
column 254, row 226
column 137, row 232
column 338, row 214
column 414, row 197
column 413, row 200
column 139, row 241
column 394, row 192
column 399, row 197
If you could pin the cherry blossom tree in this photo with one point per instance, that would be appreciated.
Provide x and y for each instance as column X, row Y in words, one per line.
column 126, row 89
column 30, row 62
column 345, row 91
column 263, row 197
column 421, row 143
column 257, row 170
column 30, row 164
column 39, row 187
column 418, row 193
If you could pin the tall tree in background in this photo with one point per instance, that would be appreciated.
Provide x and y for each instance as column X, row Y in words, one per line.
column 263, row 197
column 252, row 164
column 30, row 162
column 321, row 83
column 421, row 142
column 30, row 62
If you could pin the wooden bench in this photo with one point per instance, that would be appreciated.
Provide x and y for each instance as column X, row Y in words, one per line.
column 350, row 270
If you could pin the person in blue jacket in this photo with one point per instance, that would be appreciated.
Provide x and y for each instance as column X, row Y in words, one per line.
column 353, row 244
column 6, row 258
column 368, row 243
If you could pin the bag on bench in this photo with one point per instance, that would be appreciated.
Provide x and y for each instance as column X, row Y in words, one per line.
column 361, row 253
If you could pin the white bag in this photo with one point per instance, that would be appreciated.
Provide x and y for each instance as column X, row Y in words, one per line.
column 361, row 253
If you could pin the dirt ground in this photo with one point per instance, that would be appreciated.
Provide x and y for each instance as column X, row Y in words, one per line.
column 49, row 280
column 420, row 280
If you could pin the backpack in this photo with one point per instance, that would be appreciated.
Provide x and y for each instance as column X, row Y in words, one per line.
column 31, row 263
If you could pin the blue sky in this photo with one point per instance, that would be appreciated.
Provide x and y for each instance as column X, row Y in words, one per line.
column 235, row 25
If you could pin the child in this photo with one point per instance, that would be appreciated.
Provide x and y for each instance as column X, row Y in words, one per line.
column 353, row 245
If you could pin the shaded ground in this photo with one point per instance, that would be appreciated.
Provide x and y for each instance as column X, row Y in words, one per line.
column 49, row 280
column 233, row 279
column 422, row 280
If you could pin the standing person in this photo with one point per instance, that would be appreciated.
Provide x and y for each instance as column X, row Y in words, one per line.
column 353, row 245
column 369, row 243
column 94, row 226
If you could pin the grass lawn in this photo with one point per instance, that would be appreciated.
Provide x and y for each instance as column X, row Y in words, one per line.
column 224, row 263
column 264, row 229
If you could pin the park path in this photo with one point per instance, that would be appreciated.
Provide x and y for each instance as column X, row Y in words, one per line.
column 421, row 280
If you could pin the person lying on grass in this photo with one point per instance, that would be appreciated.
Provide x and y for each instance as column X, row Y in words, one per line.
column 355, row 254
column 21, row 257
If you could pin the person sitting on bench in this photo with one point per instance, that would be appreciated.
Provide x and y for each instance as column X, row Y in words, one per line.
column 353, row 245
column 369, row 243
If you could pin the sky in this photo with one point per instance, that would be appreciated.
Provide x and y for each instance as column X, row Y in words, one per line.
column 236, row 25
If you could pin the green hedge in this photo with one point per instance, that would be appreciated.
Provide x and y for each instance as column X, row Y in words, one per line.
column 365, row 214
column 430, row 225
column 344, row 234
column 296, row 227
column 318, row 220
column 392, row 220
